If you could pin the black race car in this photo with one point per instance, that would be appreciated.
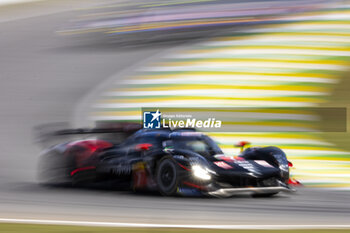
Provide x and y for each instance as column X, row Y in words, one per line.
column 173, row 162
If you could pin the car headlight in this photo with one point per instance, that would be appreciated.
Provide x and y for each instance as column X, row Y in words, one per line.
column 201, row 172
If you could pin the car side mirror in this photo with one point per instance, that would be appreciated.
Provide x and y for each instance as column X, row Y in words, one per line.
column 143, row 146
column 242, row 144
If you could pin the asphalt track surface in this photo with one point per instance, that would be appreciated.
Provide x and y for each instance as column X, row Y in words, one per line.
column 44, row 77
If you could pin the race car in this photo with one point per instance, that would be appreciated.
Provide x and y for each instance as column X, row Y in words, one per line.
column 170, row 161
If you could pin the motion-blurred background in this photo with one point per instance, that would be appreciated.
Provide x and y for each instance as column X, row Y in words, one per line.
column 89, row 61
column 276, row 54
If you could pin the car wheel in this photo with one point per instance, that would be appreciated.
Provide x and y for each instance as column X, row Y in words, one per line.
column 166, row 176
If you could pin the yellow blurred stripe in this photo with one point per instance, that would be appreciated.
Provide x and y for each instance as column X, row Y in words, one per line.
column 252, row 60
column 227, row 86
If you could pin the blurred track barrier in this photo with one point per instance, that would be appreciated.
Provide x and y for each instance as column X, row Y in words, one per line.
column 159, row 18
column 290, row 63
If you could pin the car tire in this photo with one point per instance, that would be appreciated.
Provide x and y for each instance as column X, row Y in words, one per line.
column 167, row 177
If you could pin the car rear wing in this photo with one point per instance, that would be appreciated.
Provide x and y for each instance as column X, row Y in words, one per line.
column 54, row 133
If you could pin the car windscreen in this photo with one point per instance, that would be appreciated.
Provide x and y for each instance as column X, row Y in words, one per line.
column 203, row 145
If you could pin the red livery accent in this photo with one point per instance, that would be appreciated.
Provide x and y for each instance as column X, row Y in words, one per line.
column 91, row 145
column 86, row 148
column 182, row 166
column 242, row 143
column 82, row 169
column 294, row 182
column 228, row 159
column 193, row 185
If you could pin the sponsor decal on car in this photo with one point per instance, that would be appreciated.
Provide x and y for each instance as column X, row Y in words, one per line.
column 223, row 165
column 248, row 166
column 224, row 157
column 139, row 175
column 263, row 163
column 121, row 169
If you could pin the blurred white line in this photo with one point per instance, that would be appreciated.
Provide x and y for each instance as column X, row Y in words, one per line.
column 314, row 152
column 205, row 103
column 298, row 152
column 152, row 225
column 7, row 2
column 330, row 175
column 321, row 17
column 225, row 78
column 244, row 116
column 339, row 162
column 297, row 26
column 114, row 118
column 314, row 181
column 209, row 65
column 268, row 140
column 282, row 39
column 255, row 51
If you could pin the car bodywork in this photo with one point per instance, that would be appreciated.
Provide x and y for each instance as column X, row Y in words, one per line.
column 173, row 162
